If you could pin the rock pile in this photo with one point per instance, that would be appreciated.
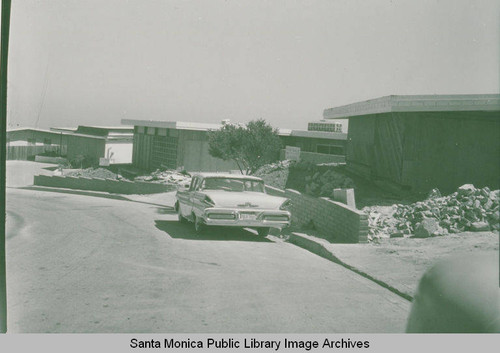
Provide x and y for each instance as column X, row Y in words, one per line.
column 381, row 222
column 166, row 177
column 274, row 174
column 467, row 209
column 322, row 184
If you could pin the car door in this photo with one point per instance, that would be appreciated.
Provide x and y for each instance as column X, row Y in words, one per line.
column 197, row 196
column 185, row 198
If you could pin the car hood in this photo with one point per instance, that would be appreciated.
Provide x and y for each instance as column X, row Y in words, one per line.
column 245, row 199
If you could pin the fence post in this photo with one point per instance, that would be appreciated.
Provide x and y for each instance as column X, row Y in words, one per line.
column 4, row 46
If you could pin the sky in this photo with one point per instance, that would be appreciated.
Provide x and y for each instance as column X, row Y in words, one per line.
column 94, row 62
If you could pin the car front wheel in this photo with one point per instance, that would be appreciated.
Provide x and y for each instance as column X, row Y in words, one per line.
column 181, row 218
column 199, row 226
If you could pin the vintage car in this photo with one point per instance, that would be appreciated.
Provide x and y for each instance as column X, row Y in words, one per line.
column 215, row 199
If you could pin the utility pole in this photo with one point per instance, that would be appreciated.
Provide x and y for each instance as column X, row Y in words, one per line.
column 3, row 146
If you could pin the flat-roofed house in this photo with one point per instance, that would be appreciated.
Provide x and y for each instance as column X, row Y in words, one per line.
column 421, row 142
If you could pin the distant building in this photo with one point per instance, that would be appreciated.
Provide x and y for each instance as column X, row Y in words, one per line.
column 111, row 142
column 176, row 144
column 94, row 142
column 316, row 146
column 25, row 143
column 324, row 125
column 426, row 141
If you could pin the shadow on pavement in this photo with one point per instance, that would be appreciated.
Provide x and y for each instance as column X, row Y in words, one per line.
column 165, row 210
column 161, row 209
column 178, row 230
column 74, row 192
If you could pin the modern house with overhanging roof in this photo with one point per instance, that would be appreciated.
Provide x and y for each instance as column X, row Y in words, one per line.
column 174, row 144
column 93, row 142
column 421, row 142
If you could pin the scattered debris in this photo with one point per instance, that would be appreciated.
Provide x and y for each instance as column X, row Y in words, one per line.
column 166, row 177
column 158, row 176
column 397, row 235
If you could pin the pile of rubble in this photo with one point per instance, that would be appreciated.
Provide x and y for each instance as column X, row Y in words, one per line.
column 467, row 209
column 381, row 221
column 274, row 174
column 166, row 177
column 90, row 173
column 322, row 183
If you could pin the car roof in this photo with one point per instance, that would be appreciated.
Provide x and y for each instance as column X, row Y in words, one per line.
column 226, row 175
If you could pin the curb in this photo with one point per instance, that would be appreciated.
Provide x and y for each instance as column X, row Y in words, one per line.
column 89, row 193
column 315, row 246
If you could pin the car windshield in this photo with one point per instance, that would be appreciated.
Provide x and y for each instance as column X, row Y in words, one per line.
column 232, row 184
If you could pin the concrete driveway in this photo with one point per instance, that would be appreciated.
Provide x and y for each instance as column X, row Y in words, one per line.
column 89, row 264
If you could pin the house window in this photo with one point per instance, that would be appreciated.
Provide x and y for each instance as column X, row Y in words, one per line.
column 164, row 152
column 47, row 142
column 325, row 126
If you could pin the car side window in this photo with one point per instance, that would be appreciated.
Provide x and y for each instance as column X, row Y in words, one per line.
column 193, row 184
column 199, row 184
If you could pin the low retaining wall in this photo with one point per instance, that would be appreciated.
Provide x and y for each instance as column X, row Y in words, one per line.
column 54, row 160
column 106, row 185
column 317, row 158
column 334, row 221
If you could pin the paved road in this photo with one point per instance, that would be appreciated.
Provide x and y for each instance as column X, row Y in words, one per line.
column 20, row 173
column 88, row 264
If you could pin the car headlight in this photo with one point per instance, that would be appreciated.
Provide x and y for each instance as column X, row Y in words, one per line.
column 286, row 205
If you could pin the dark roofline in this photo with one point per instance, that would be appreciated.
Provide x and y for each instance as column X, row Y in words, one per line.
column 416, row 103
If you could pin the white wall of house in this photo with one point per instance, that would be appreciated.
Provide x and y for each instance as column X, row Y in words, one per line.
column 119, row 152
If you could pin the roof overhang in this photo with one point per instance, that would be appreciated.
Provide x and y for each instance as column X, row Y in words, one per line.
column 180, row 125
column 420, row 103
column 319, row 134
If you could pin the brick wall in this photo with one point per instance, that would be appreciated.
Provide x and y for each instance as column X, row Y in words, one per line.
column 333, row 220
column 106, row 185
